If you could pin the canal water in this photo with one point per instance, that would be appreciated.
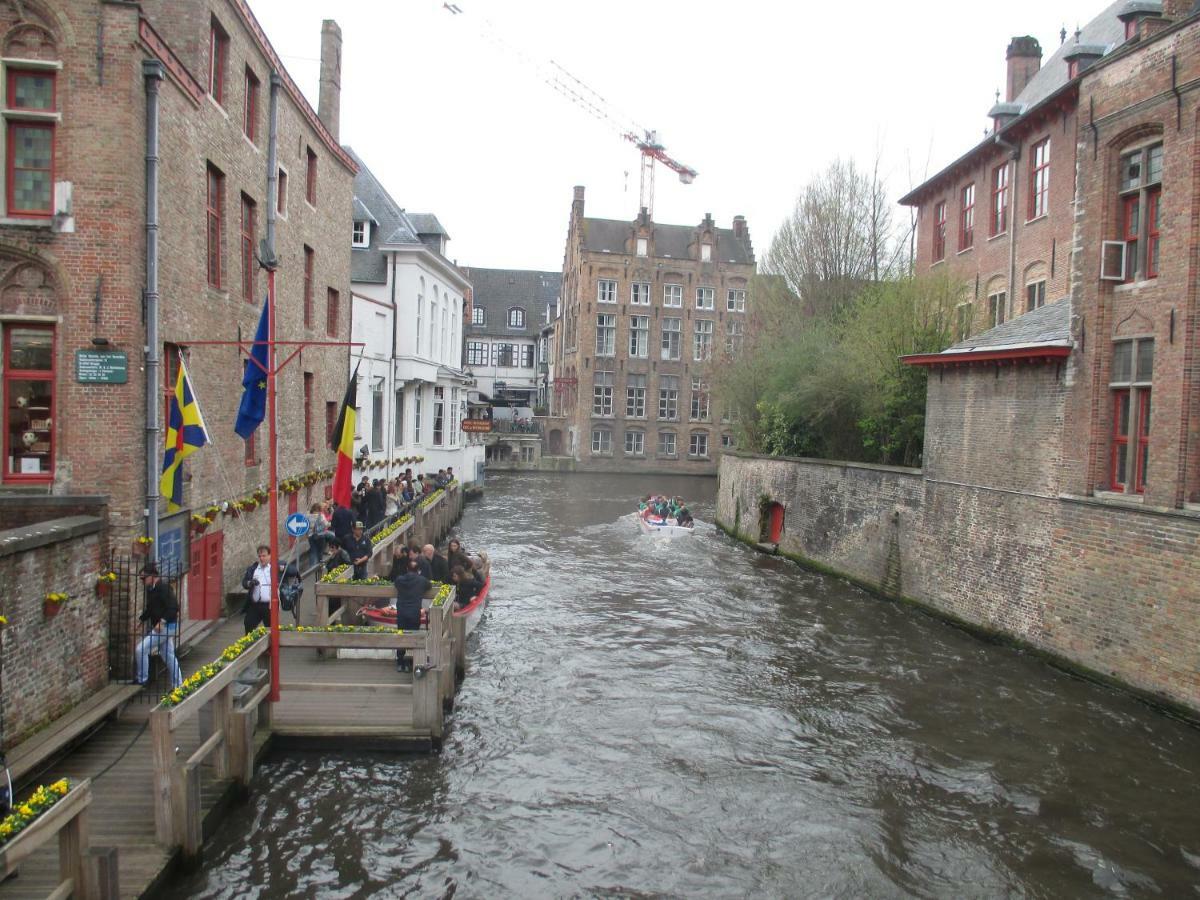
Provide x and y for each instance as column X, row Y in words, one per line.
column 690, row 718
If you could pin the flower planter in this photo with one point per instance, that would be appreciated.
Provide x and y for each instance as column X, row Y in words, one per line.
column 104, row 588
column 139, row 549
column 50, row 609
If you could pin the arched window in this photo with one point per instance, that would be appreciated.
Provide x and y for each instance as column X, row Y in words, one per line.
column 1035, row 286
column 516, row 317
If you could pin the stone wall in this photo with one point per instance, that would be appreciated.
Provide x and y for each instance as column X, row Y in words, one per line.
column 1100, row 587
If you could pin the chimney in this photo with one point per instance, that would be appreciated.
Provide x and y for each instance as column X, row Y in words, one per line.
column 1175, row 10
column 1024, row 59
column 330, row 100
column 577, row 204
column 739, row 227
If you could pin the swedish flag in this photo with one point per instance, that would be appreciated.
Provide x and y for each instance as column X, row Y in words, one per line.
column 185, row 435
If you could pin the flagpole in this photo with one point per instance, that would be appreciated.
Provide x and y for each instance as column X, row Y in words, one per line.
column 271, row 262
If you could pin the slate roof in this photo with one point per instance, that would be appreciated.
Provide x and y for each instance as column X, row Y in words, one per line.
column 1049, row 326
column 427, row 223
column 499, row 290
column 610, row 235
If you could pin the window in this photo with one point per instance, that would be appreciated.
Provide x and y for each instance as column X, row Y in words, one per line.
column 308, row 412
column 704, row 297
column 215, row 211
column 706, row 253
column 606, row 335
column 698, row 445
column 439, row 414
column 999, row 223
column 331, row 414
column 310, row 176
column 309, row 259
column 398, row 419
column 478, row 315
column 281, row 200
column 672, row 295
column 1035, row 295
column 643, row 246
column 939, row 231
column 733, row 341
column 635, row 396
column 668, row 398
column 504, row 355
column 735, row 301
column 516, row 318
column 250, row 457
column 218, row 54
column 1141, row 189
column 601, row 440
column 639, row 293
column 417, row 415
column 1039, row 178
column 30, row 402
column 31, row 103
column 606, row 291
column 997, row 306
column 639, row 336
column 699, row 410
column 360, row 236
column 445, row 332
column 666, row 443
column 702, row 342
column 965, row 315
column 455, row 416
column 602, row 394
column 377, row 415
column 966, row 218
column 420, row 319
column 476, row 353
column 331, row 311
column 635, row 443
column 727, row 441
column 250, row 106
column 527, row 356
column 247, row 245
column 1132, row 374
column 671, row 334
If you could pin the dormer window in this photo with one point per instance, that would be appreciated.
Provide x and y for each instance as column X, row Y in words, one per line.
column 362, row 234
column 516, row 317
column 478, row 316
column 1131, row 29
column 706, row 253
column 643, row 247
column 1073, row 69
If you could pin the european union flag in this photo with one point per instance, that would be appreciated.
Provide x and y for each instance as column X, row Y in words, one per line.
column 185, row 435
column 253, row 408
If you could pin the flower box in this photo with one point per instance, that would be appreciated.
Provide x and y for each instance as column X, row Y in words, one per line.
column 50, row 609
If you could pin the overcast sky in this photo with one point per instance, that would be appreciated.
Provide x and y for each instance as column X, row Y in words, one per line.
column 758, row 96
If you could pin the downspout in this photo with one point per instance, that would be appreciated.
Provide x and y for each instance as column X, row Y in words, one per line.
column 152, row 73
column 1014, row 151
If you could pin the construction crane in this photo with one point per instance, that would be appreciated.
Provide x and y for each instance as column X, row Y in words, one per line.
column 590, row 101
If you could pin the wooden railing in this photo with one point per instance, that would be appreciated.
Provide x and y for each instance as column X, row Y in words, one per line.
column 80, row 875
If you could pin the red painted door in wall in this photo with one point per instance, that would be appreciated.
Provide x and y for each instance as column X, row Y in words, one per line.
column 204, row 579
column 776, row 523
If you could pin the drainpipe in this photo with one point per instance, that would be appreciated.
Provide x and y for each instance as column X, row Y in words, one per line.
column 152, row 73
column 1014, row 151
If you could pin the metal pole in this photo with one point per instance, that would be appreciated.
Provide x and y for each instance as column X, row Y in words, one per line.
column 152, row 72
column 270, row 262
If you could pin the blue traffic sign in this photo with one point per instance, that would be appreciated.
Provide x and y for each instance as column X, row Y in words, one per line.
column 297, row 524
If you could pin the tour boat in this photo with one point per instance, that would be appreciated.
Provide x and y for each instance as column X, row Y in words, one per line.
column 662, row 527
column 472, row 613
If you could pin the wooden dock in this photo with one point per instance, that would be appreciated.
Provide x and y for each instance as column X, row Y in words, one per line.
column 153, row 783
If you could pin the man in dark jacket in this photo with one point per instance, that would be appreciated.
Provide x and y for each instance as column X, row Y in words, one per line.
column 410, row 590
column 358, row 547
column 342, row 522
column 439, row 569
column 161, row 618
column 374, row 503
column 258, row 584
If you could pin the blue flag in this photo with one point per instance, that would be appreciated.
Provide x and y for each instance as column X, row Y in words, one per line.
column 253, row 408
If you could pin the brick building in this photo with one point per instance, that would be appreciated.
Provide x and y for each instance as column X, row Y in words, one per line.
column 646, row 309
column 79, row 77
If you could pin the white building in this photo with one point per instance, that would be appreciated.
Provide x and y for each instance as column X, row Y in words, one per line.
column 407, row 308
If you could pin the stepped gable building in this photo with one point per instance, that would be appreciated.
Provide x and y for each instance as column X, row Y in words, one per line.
column 646, row 310
column 509, row 308
column 407, row 309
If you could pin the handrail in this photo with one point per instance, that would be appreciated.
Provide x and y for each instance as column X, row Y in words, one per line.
column 191, row 705
column 202, row 752
column 67, row 821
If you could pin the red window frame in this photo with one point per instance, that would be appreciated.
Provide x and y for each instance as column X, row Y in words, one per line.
column 1000, row 199
column 1130, row 228
column 308, row 398
column 218, row 54
column 966, row 217
column 251, row 457
column 331, row 413
column 310, row 180
column 170, row 359
column 1123, row 398
column 1153, row 201
column 247, row 244
column 250, row 108
column 1131, row 28
column 939, row 231
column 214, row 202
column 309, row 257
column 1039, row 178
column 332, row 300
column 51, row 376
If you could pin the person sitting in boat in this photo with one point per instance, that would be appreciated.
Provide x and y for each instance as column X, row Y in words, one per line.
column 456, row 555
column 439, row 569
column 683, row 517
column 410, row 586
column 467, row 585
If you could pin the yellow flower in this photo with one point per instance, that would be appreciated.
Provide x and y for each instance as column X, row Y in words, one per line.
column 25, row 810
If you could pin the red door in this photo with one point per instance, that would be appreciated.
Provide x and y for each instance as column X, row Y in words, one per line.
column 776, row 523
column 204, row 579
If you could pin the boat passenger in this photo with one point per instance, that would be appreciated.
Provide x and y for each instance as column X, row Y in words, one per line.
column 684, row 517
column 467, row 585
column 439, row 570
column 456, row 555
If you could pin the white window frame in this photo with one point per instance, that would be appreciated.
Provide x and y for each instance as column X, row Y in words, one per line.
column 639, row 293
column 639, row 337
column 706, row 253
column 735, row 300
column 606, row 334
column 635, row 443
column 516, row 317
column 694, row 439
column 602, row 441
column 361, row 235
column 667, row 342
column 673, row 295
column 602, row 394
column 702, row 339
column 643, row 247
column 705, row 297
column 665, row 437
column 606, row 291
column 635, row 397
column 478, row 315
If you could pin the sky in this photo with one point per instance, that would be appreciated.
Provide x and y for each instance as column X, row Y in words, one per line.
column 453, row 115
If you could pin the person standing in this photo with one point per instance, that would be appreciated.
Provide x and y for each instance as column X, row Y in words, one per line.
column 359, row 547
column 257, row 581
column 410, row 590
column 318, row 534
column 342, row 522
column 161, row 615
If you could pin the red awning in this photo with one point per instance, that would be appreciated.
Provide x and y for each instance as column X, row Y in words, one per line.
column 975, row 357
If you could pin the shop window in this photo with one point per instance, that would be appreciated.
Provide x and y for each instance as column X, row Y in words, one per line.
column 30, row 402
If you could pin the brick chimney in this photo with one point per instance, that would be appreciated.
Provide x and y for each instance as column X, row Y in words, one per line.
column 739, row 227
column 1024, row 59
column 330, row 100
column 1176, row 9
column 577, row 204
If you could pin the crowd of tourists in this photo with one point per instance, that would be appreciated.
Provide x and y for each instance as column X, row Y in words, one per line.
column 665, row 510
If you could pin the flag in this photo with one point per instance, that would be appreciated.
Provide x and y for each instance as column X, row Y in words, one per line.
column 185, row 435
column 253, row 408
column 343, row 438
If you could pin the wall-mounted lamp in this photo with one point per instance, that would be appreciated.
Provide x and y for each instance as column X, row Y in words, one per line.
column 100, row 342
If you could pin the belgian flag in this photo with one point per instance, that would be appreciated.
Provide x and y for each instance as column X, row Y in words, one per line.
column 343, row 438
